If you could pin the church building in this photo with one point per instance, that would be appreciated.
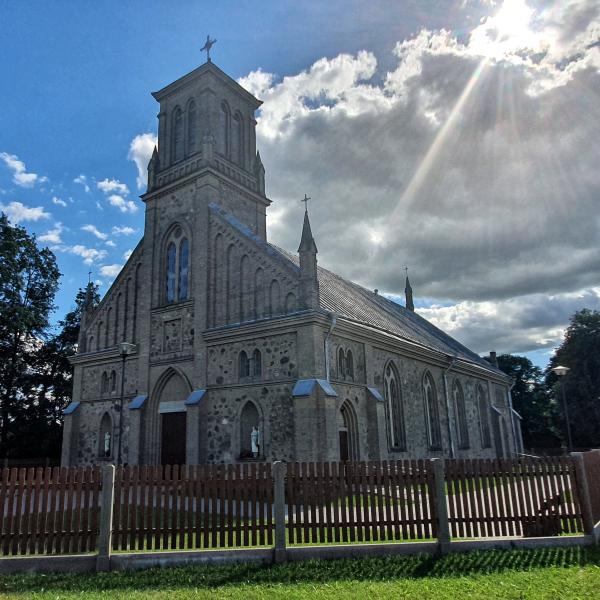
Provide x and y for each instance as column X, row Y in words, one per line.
column 214, row 346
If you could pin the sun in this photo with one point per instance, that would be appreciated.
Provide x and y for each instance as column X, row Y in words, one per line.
column 507, row 33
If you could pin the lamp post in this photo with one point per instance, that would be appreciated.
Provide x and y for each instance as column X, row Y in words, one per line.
column 561, row 372
column 125, row 349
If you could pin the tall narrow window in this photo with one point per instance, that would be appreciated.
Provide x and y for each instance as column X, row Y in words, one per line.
column 104, row 383
column 184, row 249
column 341, row 364
column 105, row 437
column 394, row 409
column 223, row 141
column 461, row 415
column 177, row 135
column 350, row 364
column 434, row 431
column 113, row 382
column 238, row 140
column 244, row 365
column 484, row 418
column 171, row 260
column 257, row 363
column 191, row 128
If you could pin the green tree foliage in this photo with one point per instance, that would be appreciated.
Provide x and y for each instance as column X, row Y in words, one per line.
column 538, row 408
column 580, row 351
column 28, row 282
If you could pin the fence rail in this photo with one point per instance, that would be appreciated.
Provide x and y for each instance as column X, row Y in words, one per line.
column 58, row 511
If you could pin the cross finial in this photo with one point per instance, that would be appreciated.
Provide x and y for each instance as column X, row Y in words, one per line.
column 90, row 276
column 406, row 270
column 207, row 46
column 305, row 200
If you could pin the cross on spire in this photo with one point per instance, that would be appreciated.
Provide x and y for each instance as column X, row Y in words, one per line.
column 207, row 46
column 90, row 276
column 406, row 270
column 305, row 200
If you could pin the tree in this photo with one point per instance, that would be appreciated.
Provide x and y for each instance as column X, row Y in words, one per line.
column 580, row 351
column 28, row 282
column 531, row 400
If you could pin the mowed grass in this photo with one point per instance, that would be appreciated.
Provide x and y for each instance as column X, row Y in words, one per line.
column 552, row 574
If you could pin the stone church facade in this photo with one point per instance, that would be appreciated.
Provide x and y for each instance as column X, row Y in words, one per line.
column 227, row 332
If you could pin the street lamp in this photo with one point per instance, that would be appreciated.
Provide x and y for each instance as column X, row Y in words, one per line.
column 561, row 372
column 125, row 349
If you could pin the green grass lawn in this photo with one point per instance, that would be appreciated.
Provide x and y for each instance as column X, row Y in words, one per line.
column 552, row 574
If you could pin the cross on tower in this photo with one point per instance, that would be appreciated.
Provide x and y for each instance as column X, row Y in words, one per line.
column 305, row 200
column 90, row 276
column 406, row 270
column 207, row 46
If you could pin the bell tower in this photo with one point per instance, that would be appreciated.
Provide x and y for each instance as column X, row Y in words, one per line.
column 207, row 129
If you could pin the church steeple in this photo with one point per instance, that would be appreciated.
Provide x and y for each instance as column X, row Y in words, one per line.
column 309, row 282
column 87, row 310
column 408, row 294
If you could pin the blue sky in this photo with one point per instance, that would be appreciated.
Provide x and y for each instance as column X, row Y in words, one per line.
column 426, row 116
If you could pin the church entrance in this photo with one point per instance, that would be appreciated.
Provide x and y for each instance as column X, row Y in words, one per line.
column 348, row 433
column 173, row 438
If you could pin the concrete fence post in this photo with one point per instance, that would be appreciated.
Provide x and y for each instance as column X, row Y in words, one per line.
column 279, row 510
column 106, row 518
column 440, row 504
column 584, row 493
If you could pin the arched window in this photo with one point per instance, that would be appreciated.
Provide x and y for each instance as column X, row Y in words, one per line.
column 434, row 431
column 191, row 128
column 177, row 135
column 171, row 261
column 341, row 364
column 238, row 140
column 350, row 364
column 223, row 139
column 290, row 303
column 250, row 432
column 257, row 363
column 107, row 330
column 394, row 408
column 275, row 298
column 105, row 437
column 244, row 365
column 349, row 448
column 184, row 251
column 177, row 267
column 113, row 382
column 104, row 383
column 484, row 418
column 460, row 411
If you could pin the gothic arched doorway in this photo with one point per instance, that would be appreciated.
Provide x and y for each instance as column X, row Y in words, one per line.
column 348, row 433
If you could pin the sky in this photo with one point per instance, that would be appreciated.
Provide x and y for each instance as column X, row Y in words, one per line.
column 457, row 137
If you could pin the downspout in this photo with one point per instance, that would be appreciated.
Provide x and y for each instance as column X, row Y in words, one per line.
column 452, row 451
column 333, row 318
column 512, row 416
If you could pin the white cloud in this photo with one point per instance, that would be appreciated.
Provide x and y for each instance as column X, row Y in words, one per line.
column 94, row 231
column 58, row 201
column 112, row 185
column 18, row 212
column 82, row 180
column 52, row 236
column 110, row 270
column 110, row 243
column 127, row 254
column 89, row 255
column 122, row 204
column 20, row 175
column 117, row 230
column 140, row 152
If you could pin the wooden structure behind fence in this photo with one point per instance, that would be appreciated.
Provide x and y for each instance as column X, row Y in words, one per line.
column 360, row 501
column 591, row 462
column 49, row 511
column 526, row 497
column 196, row 506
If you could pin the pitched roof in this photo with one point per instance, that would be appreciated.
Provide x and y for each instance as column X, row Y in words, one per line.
column 354, row 302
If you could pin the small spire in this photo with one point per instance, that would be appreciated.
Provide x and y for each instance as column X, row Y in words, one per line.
column 408, row 293
column 307, row 242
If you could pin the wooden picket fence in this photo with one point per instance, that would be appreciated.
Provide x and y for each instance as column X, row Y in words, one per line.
column 59, row 511
column 360, row 502
column 49, row 511
column 526, row 497
column 192, row 507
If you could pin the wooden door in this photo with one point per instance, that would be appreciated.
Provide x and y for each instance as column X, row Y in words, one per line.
column 344, row 449
column 173, row 438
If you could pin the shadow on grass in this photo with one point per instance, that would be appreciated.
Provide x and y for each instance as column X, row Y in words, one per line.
column 372, row 569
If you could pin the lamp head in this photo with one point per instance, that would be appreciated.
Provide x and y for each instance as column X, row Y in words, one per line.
column 125, row 348
column 560, row 370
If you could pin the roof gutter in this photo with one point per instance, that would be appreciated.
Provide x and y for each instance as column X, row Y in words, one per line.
column 450, row 439
column 333, row 321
